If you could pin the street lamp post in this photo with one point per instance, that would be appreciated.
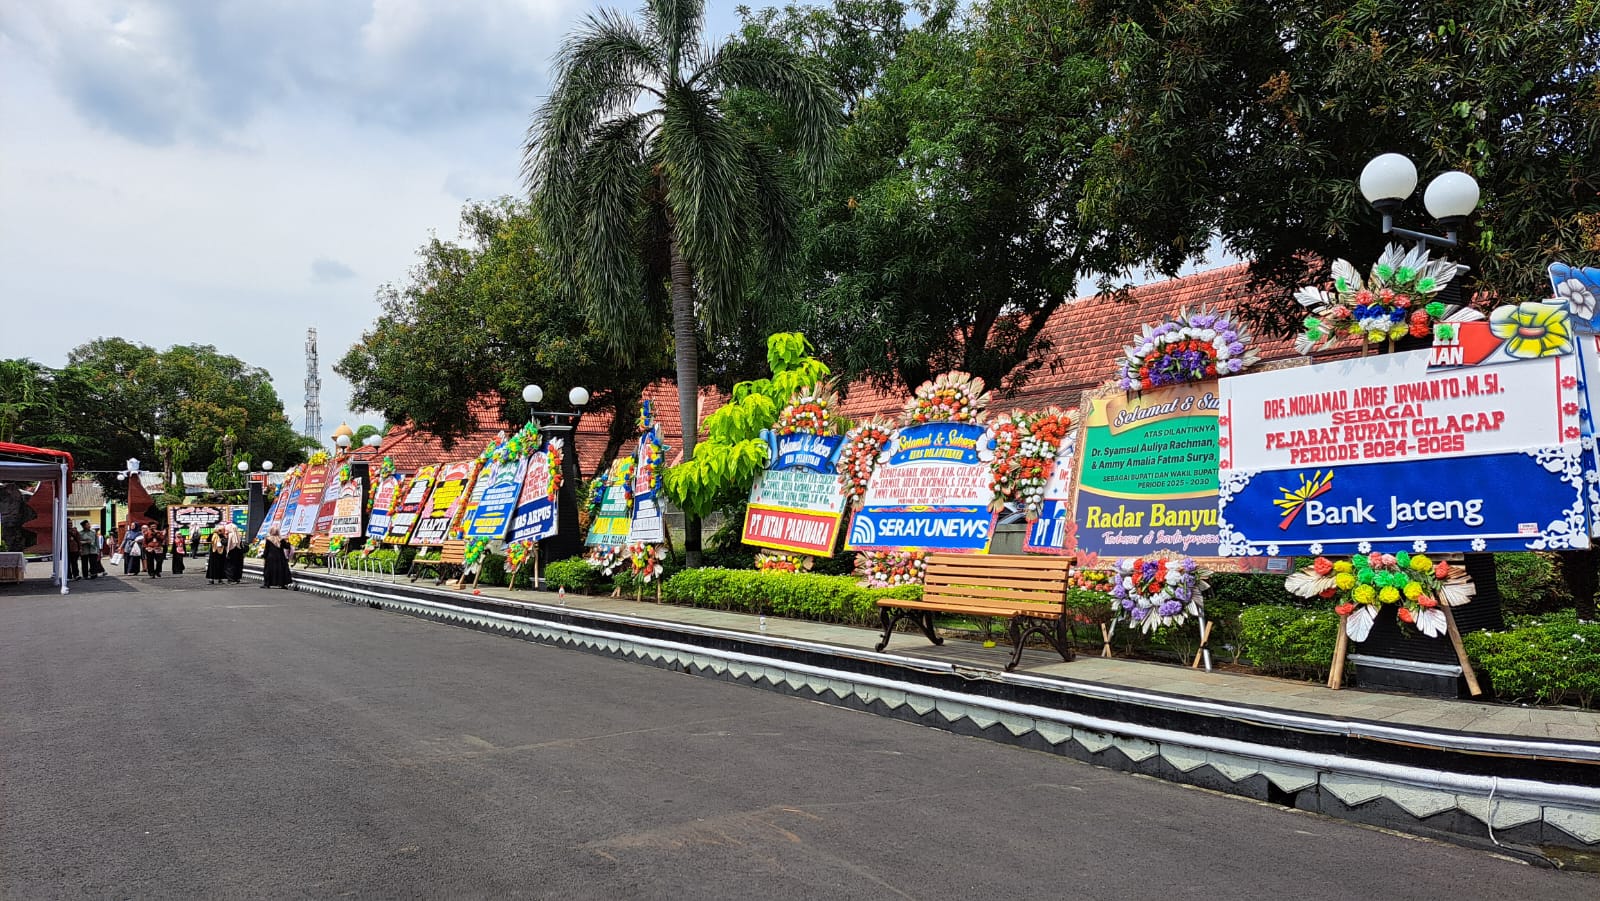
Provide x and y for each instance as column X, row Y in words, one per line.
column 1450, row 198
column 255, row 498
column 560, row 424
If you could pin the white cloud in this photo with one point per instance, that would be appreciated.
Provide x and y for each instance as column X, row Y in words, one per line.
column 232, row 172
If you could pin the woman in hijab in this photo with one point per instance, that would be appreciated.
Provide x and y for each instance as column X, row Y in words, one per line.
column 275, row 561
column 235, row 554
column 217, row 560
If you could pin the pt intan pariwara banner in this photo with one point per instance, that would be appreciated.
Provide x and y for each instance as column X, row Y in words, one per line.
column 1147, row 473
column 1049, row 533
column 931, row 493
column 1389, row 453
column 797, row 502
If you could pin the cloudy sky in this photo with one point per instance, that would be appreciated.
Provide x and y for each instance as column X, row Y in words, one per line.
column 233, row 172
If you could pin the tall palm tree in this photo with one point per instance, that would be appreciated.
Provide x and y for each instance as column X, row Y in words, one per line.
column 653, row 197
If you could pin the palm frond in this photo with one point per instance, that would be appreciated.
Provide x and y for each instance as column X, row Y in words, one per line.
column 676, row 25
column 611, row 178
column 797, row 82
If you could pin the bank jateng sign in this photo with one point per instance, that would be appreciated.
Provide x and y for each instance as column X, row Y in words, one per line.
column 932, row 493
column 1147, row 473
column 796, row 503
column 1386, row 453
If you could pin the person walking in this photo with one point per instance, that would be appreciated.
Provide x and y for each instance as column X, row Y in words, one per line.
column 134, row 561
column 102, row 549
column 235, row 554
column 88, row 550
column 276, row 555
column 180, row 543
column 74, row 554
column 217, row 560
column 155, row 551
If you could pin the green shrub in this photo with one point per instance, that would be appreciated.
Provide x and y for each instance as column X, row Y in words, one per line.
column 1249, row 589
column 1289, row 641
column 797, row 595
column 573, row 574
column 493, row 570
column 1530, row 582
column 1548, row 660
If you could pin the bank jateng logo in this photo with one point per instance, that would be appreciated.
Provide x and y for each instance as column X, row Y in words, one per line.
column 1396, row 512
column 1294, row 501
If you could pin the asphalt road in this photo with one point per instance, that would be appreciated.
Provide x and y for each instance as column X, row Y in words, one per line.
column 173, row 740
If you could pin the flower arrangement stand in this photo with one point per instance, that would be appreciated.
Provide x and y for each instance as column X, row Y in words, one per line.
column 1203, row 653
column 1341, row 653
column 1106, row 631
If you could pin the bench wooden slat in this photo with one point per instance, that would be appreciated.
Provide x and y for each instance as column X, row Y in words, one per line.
column 986, row 561
column 1038, row 584
column 1000, row 594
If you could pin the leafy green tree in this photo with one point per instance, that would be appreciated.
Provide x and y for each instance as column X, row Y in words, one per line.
column 367, row 430
column 950, row 230
column 654, row 199
column 1253, row 118
column 481, row 319
column 30, row 411
column 726, row 464
column 122, row 397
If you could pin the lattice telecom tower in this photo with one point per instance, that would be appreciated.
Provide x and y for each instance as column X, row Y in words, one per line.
column 313, row 387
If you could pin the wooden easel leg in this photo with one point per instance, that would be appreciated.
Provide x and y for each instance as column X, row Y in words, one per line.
column 1341, row 649
column 1205, row 636
column 1461, row 652
column 1105, row 640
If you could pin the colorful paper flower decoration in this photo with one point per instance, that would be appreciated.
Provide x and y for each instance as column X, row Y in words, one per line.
column 517, row 555
column 1532, row 330
column 951, row 397
column 1155, row 594
column 1025, row 448
column 609, row 559
column 1363, row 584
column 317, row 458
column 647, row 560
column 859, row 457
column 810, row 411
column 1192, row 347
column 474, row 552
column 1393, row 303
column 777, row 561
column 884, row 569
column 553, row 469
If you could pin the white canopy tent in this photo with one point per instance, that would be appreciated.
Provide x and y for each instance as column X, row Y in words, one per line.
column 19, row 463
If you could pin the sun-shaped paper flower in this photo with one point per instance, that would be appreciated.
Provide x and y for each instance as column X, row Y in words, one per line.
column 1532, row 330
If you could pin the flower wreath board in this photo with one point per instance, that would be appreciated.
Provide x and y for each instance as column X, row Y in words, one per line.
column 647, row 525
column 1145, row 478
column 445, row 504
column 313, row 479
column 1579, row 290
column 612, row 521
column 931, row 489
column 337, row 472
column 384, row 494
column 409, row 507
column 349, row 507
column 797, row 501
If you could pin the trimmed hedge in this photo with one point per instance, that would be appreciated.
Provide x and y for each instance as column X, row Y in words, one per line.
column 573, row 574
column 1289, row 641
column 838, row 599
column 1549, row 659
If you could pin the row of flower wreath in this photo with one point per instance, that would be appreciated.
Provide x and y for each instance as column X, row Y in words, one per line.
column 1025, row 444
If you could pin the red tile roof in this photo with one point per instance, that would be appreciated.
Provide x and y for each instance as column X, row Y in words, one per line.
column 1086, row 338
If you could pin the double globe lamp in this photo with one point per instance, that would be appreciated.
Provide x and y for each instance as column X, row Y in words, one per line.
column 1450, row 198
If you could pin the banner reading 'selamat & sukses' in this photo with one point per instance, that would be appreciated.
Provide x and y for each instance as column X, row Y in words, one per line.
column 1147, row 472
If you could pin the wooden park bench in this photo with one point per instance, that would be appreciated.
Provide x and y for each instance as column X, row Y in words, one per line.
column 1030, row 591
column 451, row 560
column 317, row 549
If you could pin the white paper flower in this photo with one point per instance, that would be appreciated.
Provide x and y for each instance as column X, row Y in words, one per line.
column 1364, row 547
column 1479, row 544
column 1419, row 546
column 1272, row 550
column 1316, row 547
